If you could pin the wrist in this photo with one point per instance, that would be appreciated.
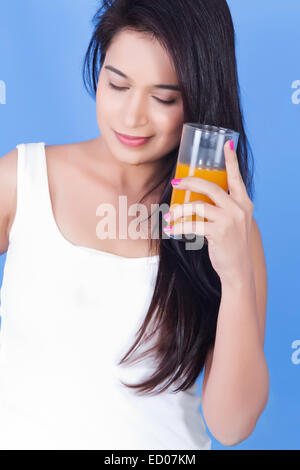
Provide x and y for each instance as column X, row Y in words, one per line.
column 241, row 277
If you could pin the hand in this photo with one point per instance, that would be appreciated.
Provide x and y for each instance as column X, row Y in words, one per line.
column 229, row 221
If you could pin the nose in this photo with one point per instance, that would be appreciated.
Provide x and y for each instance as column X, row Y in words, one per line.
column 135, row 112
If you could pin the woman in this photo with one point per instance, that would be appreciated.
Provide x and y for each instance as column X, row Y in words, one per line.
column 80, row 309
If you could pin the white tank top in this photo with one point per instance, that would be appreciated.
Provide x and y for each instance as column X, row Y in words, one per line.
column 68, row 315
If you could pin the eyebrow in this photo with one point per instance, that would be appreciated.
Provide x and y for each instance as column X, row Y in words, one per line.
column 164, row 87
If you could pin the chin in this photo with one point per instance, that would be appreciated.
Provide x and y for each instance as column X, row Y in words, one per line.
column 130, row 156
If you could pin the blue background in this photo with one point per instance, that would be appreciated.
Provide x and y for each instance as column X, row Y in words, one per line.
column 42, row 44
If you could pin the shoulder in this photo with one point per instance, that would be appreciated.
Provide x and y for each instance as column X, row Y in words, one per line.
column 59, row 152
column 8, row 167
column 8, row 178
column 57, row 158
column 61, row 158
column 71, row 153
column 80, row 160
column 8, row 183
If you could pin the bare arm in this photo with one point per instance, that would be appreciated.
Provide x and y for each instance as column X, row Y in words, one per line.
column 8, row 182
column 236, row 381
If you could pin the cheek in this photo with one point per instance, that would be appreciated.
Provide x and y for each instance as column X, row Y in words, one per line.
column 170, row 122
column 106, row 105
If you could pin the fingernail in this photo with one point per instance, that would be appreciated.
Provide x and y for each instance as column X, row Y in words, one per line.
column 176, row 181
column 232, row 145
column 167, row 216
column 168, row 228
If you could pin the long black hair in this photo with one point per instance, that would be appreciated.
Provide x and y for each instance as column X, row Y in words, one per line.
column 200, row 38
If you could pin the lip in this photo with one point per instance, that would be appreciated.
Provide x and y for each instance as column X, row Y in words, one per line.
column 132, row 141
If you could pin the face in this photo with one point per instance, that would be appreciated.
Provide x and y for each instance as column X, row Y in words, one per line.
column 139, row 108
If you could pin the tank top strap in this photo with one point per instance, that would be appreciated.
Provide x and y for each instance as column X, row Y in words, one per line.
column 32, row 184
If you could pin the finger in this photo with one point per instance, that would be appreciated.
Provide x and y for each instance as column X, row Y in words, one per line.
column 202, row 186
column 200, row 208
column 184, row 228
column 235, row 181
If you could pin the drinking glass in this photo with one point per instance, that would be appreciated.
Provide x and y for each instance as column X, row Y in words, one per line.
column 201, row 154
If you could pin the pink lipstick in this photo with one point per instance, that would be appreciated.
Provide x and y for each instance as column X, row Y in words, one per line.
column 132, row 141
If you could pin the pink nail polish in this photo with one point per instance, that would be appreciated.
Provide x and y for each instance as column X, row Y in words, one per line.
column 176, row 181
column 232, row 145
column 168, row 228
column 167, row 216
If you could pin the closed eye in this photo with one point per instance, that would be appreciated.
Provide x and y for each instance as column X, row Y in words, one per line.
column 124, row 88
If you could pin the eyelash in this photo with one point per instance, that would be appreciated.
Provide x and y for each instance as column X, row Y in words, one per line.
column 114, row 87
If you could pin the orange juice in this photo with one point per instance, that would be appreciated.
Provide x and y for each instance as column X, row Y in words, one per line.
column 180, row 196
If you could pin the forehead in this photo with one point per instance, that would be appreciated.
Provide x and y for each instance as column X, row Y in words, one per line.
column 141, row 57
